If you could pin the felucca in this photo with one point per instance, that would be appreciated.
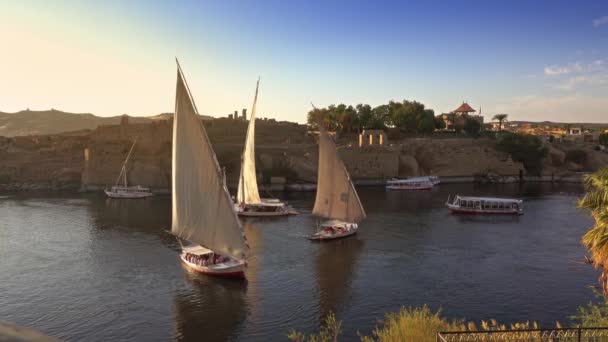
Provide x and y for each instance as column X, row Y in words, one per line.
column 203, row 213
column 248, row 201
column 126, row 191
column 336, row 198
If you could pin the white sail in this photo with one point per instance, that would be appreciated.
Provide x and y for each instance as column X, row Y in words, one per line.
column 248, row 185
column 202, row 209
column 336, row 195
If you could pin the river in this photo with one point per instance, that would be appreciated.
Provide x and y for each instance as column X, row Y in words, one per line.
column 85, row 268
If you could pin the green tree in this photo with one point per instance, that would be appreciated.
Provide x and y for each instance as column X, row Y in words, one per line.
column 364, row 114
column 524, row 148
column 426, row 121
column 500, row 118
column 596, row 238
column 604, row 139
column 379, row 117
column 439, row 123
column 472, row 127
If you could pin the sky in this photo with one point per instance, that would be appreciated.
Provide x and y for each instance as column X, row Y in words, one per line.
column 534, row 60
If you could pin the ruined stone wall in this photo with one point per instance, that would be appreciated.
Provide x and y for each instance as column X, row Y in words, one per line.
column 282, row 149
column 41, row 162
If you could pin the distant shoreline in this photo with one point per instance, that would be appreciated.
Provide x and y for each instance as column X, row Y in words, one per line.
column 577, row 178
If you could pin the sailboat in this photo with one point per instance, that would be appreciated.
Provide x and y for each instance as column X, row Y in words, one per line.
column 248, row 201
column 203, row 215
column 336, row 198
column 126, row 191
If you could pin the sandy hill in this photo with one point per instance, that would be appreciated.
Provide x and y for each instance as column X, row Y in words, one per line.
column 29, row 122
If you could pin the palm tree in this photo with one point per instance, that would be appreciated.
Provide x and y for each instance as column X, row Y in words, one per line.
column 596, row 238
column 500, row 118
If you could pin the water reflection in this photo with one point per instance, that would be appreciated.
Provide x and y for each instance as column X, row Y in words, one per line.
column 336, row 267
column 212, row 309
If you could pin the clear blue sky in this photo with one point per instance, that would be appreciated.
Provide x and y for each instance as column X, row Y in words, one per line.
column 536, row 60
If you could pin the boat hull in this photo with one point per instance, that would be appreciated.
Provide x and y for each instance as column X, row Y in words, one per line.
column 278, row 210
column 231, row 269
column 397, row 187
column 324, row 235
column 132, row 195
column 458, row 210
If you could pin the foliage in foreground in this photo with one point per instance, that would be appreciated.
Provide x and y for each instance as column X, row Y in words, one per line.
column 592, row 315
column 596, row 238
column 330, row 330
column 413, row 324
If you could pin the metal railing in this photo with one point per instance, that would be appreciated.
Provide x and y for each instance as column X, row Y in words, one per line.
column 540, row 335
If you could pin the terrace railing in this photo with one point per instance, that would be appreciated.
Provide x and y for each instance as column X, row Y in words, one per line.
column 532, row 335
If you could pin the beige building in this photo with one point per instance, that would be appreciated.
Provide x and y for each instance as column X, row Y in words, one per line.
column 459, row 116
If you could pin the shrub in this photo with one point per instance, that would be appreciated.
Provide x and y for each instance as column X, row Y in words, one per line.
column 330, row 330
column 527, row 149
column 472, row 127
column 576, row 156
column 604, row 138
column 412, row 325
column 592, row 315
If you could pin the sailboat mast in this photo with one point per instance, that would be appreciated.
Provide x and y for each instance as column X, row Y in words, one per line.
column 123, row 170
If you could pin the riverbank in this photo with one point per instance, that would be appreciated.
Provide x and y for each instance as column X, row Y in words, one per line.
column 306, row 187
column 91, row 161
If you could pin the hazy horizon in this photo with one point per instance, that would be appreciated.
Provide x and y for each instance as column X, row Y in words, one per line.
column 546, row 60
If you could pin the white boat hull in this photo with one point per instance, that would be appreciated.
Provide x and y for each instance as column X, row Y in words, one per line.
column 348, row 229
column 405, row 187
column 485, row 205
column 279, row 210
column 458, row 210
column 122, row 194
column 232, row 268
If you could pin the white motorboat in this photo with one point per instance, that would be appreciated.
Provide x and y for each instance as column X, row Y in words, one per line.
column 415, row 183
column 485, row 205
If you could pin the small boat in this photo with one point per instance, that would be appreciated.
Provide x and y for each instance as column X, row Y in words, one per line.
column 264, row 209
column 415, row 183
column 434, row 179
column 126, row 191
column 248, row 201
column 205, row 261
column 485, row 205
column 334, row 229
column 203, row 213
column 336, row 197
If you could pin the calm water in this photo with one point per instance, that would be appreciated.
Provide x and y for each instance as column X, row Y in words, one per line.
column 85, row 268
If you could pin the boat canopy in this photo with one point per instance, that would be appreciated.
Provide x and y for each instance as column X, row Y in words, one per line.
column 336, row 196
column 267, row 204
column 489, row 199
column 248, row 184
column 196, row 250
column 333, row 223
column 202, row 208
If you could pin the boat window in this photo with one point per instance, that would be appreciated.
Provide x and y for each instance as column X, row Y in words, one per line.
column 477, row 204
column 494, row 205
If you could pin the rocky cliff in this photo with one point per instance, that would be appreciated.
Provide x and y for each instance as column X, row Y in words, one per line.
column 93, row 159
